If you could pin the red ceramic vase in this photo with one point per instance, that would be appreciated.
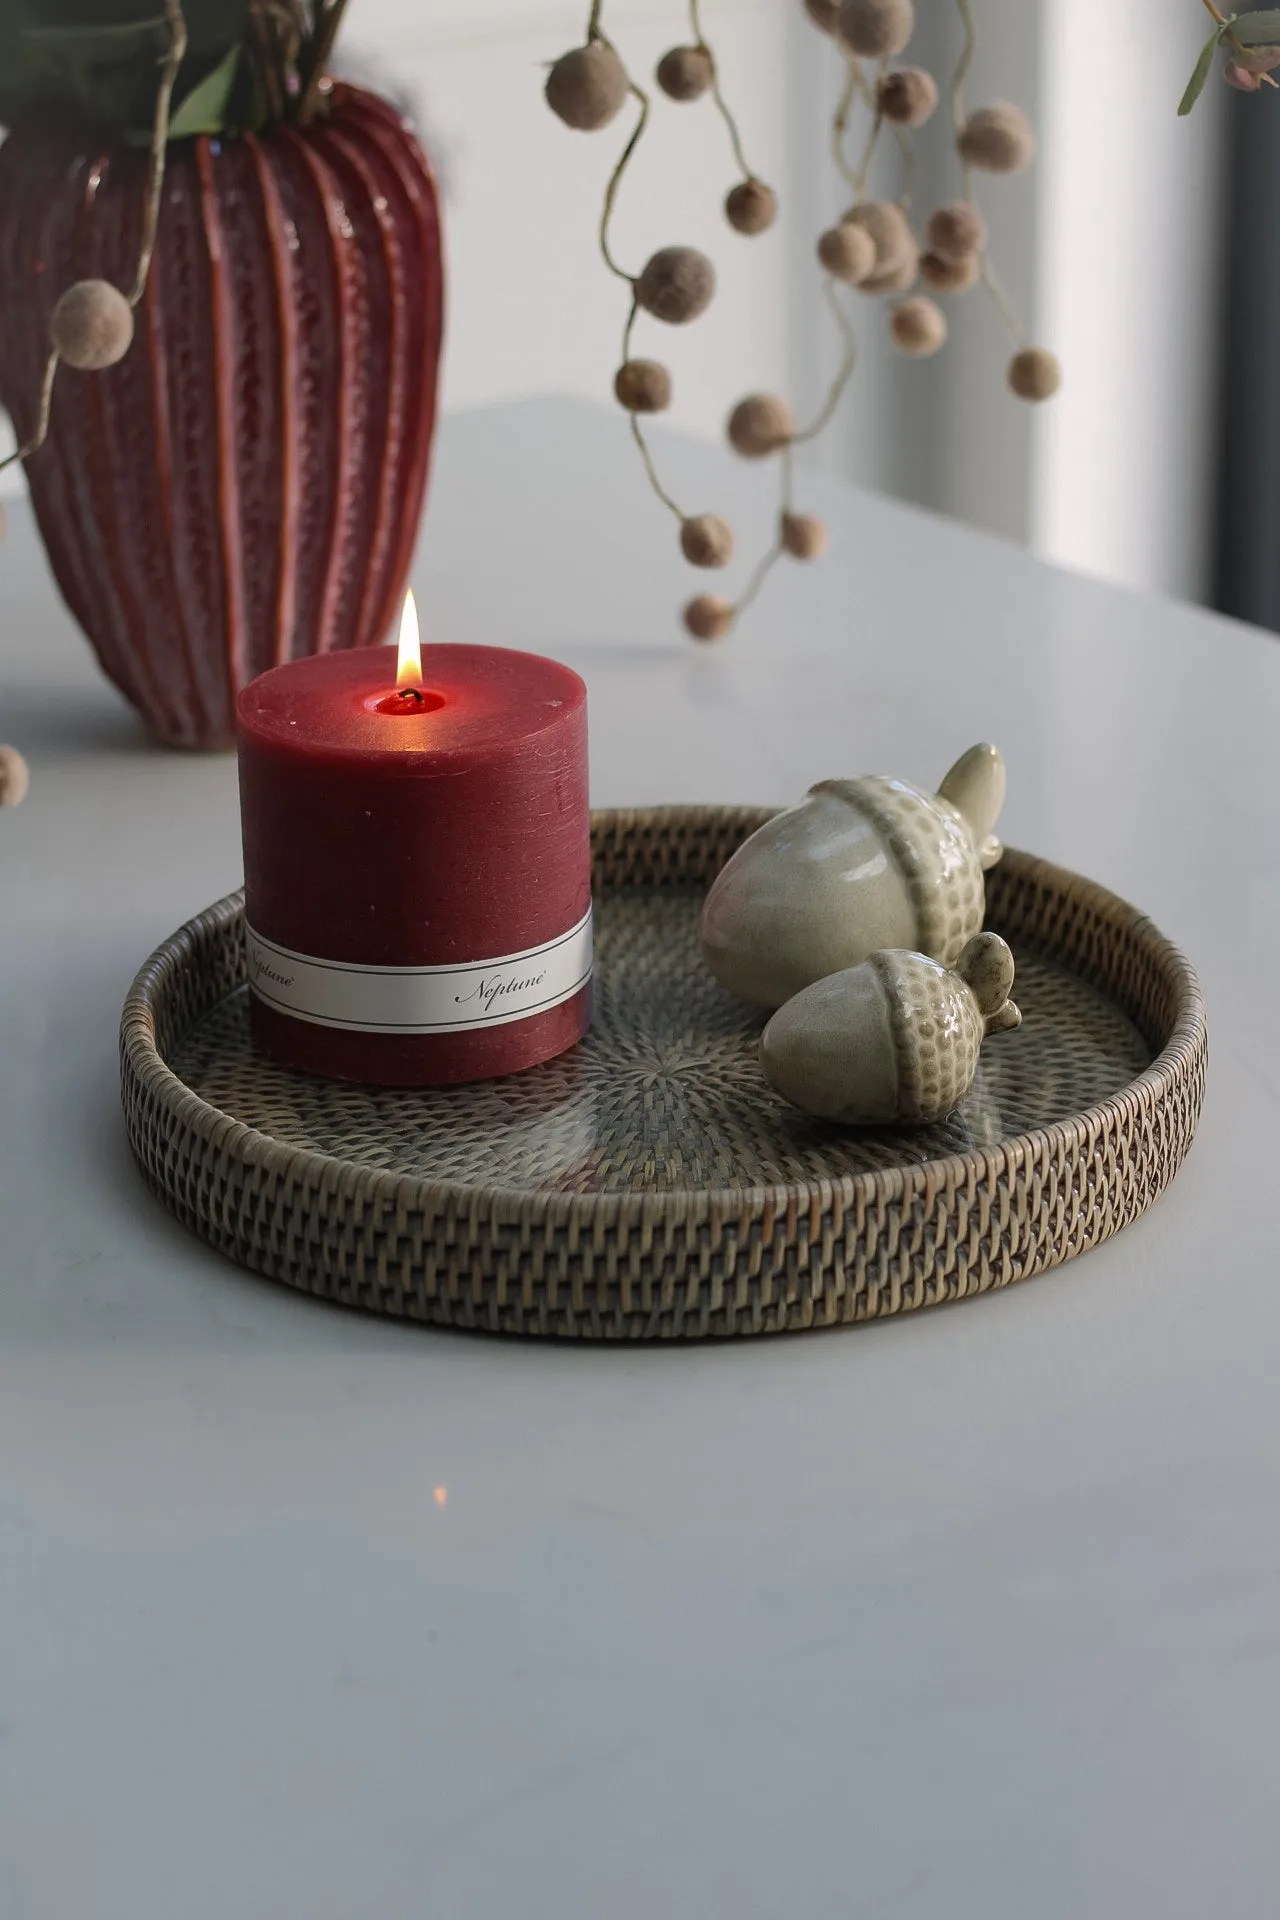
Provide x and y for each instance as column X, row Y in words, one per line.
column 246, row 485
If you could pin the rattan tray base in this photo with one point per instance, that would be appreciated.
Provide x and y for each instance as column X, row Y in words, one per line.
column 650, row 1185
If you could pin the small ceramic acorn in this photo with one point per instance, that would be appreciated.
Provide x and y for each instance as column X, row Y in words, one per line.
column 896, row 1038
column 858, row 866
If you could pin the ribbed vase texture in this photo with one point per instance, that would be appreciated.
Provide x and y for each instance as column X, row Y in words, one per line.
column 246, row 485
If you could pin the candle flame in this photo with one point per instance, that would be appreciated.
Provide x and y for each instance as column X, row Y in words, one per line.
column 409, row 664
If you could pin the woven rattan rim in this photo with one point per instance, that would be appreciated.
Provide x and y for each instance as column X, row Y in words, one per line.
column 694, row 1263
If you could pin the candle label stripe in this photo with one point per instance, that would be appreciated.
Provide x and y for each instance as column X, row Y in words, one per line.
column 458, row 999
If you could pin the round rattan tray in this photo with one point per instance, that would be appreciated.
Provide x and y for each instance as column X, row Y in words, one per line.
column 649, row 1185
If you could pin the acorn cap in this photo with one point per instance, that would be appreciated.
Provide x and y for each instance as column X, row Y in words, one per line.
column 858, row 866
column 895, row 1039
column 937, row 1027
column 940, row 844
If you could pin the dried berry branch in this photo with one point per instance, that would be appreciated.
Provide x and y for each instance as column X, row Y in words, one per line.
column 853, row 90
column 92, row 323
column 848, row 365
column 587, row 87
column 862, row 173
column 637, row 431
column 717, row 93
column 996, row 139
column 611, row 194
column 40, row 432
column 872, row 248
column 964, row 66
column 159, row 137
column 615, row 178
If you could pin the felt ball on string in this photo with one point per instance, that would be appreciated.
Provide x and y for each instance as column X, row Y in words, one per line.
column 685, row 73
column 706, row 540
column 956, row 232
column 949, row 276
column 14, row 777
column 92, row 325
column 890, row 232
column 751, row 206
column 643, row 386
column 760, row 425
column 847, row 253
column 824, row 14
column 587, row 87
column 709, row 616
column 803, row 535
column 908, row 96
column 1035, row 374
column 919, row 328
column 876, row 29
column 677, row 284
column 997, row 139
column 897, row 278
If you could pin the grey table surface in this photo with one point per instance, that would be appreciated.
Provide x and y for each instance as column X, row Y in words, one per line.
column 972, row 1614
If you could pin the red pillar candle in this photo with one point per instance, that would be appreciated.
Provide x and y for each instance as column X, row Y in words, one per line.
column 417, row 864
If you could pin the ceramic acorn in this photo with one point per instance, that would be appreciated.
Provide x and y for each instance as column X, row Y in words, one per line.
column 896, row 1038
column 858, row 866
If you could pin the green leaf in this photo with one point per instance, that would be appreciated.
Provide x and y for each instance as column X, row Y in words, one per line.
column 1257, row 29
column 1204, row 66
column 204, row 110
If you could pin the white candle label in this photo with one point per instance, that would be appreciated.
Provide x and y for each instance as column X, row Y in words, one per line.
column 457, row 999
